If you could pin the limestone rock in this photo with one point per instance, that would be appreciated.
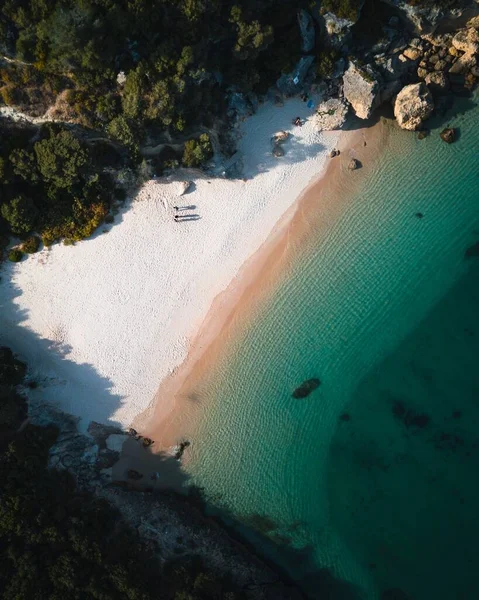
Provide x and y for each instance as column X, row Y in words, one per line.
column 306, row 26
column 331, row 114
column 414, row 104
column 361, row 90
column 276, row 142
column 421, row 73
column 474, row 22
column 464, row 64
column 412, row 53
column 441, row 65
column 437, row 81
column 467, row 40
column 354, row 164
column 448, row 135
column 334, row 153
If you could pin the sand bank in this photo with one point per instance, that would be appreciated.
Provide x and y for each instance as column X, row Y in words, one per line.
column 101, row 324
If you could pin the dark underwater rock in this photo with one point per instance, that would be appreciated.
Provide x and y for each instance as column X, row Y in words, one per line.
column 448, row 135
column 306, row 388
column 472, row 250
column 181, row 449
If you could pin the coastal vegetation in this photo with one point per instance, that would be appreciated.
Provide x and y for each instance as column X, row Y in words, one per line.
column 57, row 540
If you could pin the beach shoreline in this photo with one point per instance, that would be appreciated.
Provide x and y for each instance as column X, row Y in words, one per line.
column 174, row 413
column 101, row 324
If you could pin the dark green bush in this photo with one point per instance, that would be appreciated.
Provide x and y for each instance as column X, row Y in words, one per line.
column 31, row 245
column 15, row 255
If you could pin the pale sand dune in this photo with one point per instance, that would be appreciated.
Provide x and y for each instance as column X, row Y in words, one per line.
column 101, row 324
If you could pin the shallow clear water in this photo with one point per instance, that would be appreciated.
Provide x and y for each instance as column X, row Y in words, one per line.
column 374, row 475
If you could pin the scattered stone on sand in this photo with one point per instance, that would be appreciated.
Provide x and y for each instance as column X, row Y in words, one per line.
column 132, row 432
column 414, row 104
column 180, row 449
column 448, row 135
column 135, row 475
column 306, row 388
column 472, row 251
column 147, row 442
column 334, row 153
column 276, row 142
column 185, row 186
column 354, row 164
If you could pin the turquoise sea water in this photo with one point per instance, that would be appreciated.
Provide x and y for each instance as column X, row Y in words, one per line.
column 372, row 482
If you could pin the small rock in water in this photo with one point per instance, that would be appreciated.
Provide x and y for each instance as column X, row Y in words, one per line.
column 419, row 215
column 181, row 449
column 132, row 432
column 345, row 417
column 422, row 134
column 354, row 164
column 147, row 442
column 448, row 135
column 306, row 388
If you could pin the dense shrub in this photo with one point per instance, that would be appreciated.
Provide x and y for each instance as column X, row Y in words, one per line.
column 31, row 245
column 197, row 152
column 57, row 541
column 15, row 255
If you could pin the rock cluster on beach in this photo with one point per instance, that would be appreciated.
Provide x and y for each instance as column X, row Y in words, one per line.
column 411, row 66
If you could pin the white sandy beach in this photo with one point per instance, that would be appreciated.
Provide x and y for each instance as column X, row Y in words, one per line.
column 103, row 322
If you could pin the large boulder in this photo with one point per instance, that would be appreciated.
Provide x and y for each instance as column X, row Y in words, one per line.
column 306, row 26
column 467, row 40
column 361, row 89
column 331, row 114
column 414, row 104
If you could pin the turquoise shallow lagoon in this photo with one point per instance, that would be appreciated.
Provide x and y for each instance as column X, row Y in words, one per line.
column 372, row 482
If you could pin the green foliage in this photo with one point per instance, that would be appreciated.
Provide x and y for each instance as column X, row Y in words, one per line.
column 15, row 255
column 124, row 131
column 251, row 37
column 57, row 541
column 197, row 152
column 31, row 244
column 344, row 9
column 60, row 158
column 326, row 63
column 20, row 213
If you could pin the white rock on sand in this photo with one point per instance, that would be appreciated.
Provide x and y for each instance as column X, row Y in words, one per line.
column 102, row 323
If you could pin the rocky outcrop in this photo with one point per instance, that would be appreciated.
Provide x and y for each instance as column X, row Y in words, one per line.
column 331, row 114
column 425, row 19
column 293, row 83
column 306, row 26
column 361, row 89
column 414, row 104
column 467, row 42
